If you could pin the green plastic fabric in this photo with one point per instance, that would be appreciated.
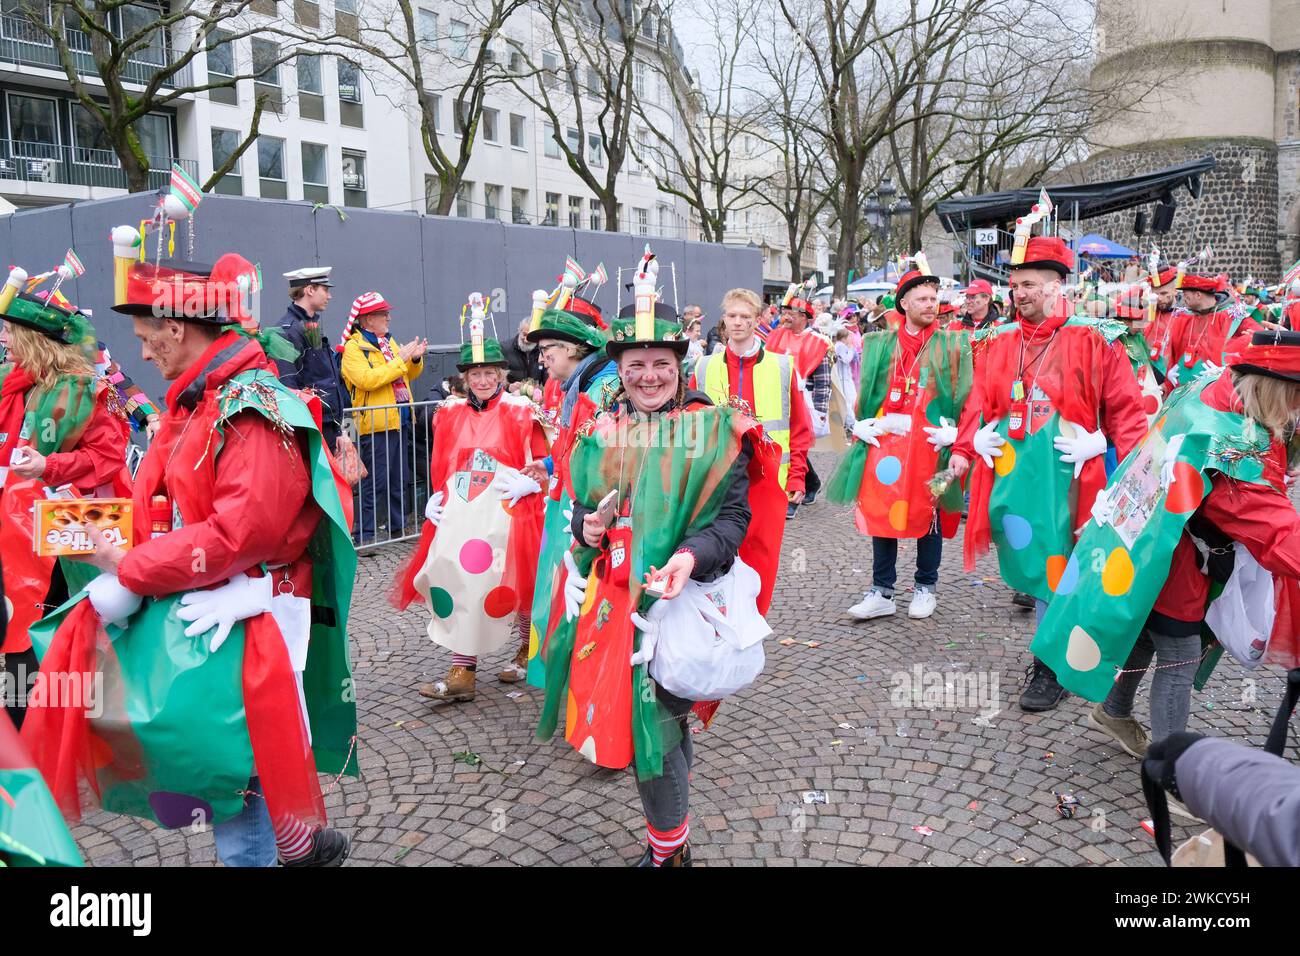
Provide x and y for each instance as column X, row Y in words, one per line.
column 676, row 469
column 273, row 342
column 947, row 374
column 56, row 416
column 32, row 831
column 1117, row 569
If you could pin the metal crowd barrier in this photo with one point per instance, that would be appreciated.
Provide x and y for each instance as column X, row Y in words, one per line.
column 388, row 504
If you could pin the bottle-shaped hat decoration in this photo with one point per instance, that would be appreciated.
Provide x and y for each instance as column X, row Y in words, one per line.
column 643, row 291
column 13, row 285
column 477, row 314
column 1040, row 211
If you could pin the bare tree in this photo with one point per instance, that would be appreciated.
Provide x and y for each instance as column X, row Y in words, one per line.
column 695, row 158
column 143, row 58
column 591, row 85
column 461, row 65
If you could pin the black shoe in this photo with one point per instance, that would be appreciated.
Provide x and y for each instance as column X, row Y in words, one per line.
column 1021, row 599
column 1042, row 691
column 790, row 510
column 681, row 858
column 328, row 848
column 810, row 497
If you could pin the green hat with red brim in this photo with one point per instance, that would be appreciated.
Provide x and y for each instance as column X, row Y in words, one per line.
column 490, row 356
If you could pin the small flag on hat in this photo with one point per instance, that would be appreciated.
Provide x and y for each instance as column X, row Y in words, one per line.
column 184, row 188
column 72, row 262
column 600, row 276
column 1044, row 202
column 572, row 267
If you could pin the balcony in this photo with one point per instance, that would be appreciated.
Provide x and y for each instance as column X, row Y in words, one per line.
column 75, row 166
column 25, row 45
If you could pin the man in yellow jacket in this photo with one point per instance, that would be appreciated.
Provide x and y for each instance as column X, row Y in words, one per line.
column 378, row 375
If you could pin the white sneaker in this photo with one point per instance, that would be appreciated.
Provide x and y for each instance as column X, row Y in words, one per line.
column 873, row 604
column 923, row 603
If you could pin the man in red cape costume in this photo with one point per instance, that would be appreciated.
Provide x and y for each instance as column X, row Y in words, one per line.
column 1050, row 389
column 1207, row 332
column 811, row 353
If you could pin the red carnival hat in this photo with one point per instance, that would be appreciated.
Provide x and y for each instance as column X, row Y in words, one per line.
column 1166, row 275
column 800, row 305
column 1200, row 283
column 172, row 290
column 1047, row 252
column 909, row 281
column 978, row 287
column 1274, row 354
column 364, row 304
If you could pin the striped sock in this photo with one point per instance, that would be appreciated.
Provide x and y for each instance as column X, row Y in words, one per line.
column 664, row 843
column 468, row 661
column 523, row 623
column 292, row 838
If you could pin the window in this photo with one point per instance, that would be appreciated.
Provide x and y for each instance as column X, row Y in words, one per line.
column 33, row 120
column 638, row 78
column 575, row 141
column 266, row 67
column 221, row 54
column 432, row 193
column 575, row 212
column 437, row 111
column 224, row 143
column 490, row 126
column 142, row 17
column 595, row 150
column 491, row 201
column 270, row 166
column 663, row 220
column 643, row 149
column 427, row 27
column 458, row 34
column 349, row 82
column 519, row 205
column 551, row 70
column 464, row 198
column 345, row 23
column 552, row 210
column 552, row 143
column 597, row 217
column 516, row 62
column 345, row 6
column 618, row 215
column 315, row 173
column 594, row 85
column 354, row 178
column 517, row 131
column 642, row 221
column 155, row 132
column 461, row 115
column 309, row 80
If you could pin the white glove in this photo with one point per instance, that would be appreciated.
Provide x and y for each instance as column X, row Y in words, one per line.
column 1103, row 509
column 1084, row 446
column 239, row 598
column 869, row 430
column 515, row 485
column 112, row 601
column 1171, row 376
column 567, row 513
column 575, row 588
column 943, row 435
column 988, row 443
column 1211, row 368
column 1167, row 476
column 434, row 509
column 649, row 636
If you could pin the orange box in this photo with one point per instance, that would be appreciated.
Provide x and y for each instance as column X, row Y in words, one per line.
column 60, row 524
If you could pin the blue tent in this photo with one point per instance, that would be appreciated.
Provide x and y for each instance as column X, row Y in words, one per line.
column 1098, row 246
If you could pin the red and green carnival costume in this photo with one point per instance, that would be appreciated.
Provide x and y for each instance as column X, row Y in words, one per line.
column 1213, row 337
column 32, row 831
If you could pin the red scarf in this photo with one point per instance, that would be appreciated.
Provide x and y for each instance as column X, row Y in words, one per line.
column 13, row 405
column 401, row 391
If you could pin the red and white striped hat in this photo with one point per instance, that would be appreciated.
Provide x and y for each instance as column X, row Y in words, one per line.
column 363, row 304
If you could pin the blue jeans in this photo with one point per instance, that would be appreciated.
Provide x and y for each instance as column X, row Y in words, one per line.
column 884, row 568
column 386, row 493
column 1179, row 658
column 666, row 798
column 247, row 839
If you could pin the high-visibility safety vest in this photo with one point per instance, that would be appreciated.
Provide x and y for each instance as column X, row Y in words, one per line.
column 771, row 398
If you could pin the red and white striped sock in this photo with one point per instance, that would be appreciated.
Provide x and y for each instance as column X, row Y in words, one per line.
column 664, row 843
column 292, row 838
column 464, row 660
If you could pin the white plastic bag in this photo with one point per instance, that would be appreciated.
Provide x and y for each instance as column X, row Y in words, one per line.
column 1242, row 616
column 710, row 641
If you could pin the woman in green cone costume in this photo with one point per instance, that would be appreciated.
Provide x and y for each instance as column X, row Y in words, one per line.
column 59, row 425
column 674, row 473
column 573, row 351
column 226, row 721
column 1050, row 390
column 1200, row 508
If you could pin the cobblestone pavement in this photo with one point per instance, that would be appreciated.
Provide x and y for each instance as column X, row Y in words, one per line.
column 903, row 783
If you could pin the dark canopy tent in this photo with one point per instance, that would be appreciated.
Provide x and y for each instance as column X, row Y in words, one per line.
column 1074, row 202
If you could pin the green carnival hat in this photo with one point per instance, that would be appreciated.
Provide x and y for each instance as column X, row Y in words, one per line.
column 666, row 332
column 62, row 325
column 567, row 327
column 490, row 354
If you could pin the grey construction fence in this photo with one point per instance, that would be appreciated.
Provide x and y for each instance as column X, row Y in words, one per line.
column 425, row 266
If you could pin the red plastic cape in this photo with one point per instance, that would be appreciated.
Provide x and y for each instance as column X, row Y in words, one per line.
column 1071, row 376
column 504, row 430
column 807, row 348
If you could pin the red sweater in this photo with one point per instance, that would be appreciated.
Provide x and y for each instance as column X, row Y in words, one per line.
column 1262, row 519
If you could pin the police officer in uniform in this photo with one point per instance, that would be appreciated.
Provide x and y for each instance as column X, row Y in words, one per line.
column 317, row 366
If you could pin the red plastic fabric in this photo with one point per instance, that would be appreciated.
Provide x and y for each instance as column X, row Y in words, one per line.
column 807, row 348
column 508, row 431
column 761, row 549
column 1089, row 382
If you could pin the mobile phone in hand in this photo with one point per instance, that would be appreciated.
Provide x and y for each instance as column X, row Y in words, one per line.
column 607, row 507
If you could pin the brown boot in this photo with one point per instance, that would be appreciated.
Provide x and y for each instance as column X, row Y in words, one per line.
column 458, row 685
column 517, row 669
